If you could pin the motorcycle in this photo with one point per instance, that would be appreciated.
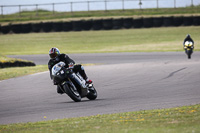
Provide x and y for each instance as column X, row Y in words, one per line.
column 72, row 83
column 188, row 46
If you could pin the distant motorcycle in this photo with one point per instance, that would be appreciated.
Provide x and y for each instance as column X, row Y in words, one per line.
column 188, row 46
column 72, row 83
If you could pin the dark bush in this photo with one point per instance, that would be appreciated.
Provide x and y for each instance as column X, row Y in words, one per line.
column 77, row 25
column 16, row 28
column 128, row 23
column 5, row 29
column 16, row 64
column 138, row 23
column 158, row 22
column 36, row 27
column 148, row 22
column 108, row 24
column 26, row 28
column 47, row 26
column 178, row 21
column 117, row 23
column 168, row 21
column 87, row 25
column 67, row 26
column 196, row 20
column 188, row 20
column 57, row 26
column 97, row 24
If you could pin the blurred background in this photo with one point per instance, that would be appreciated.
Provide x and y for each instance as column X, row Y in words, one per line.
column 10, row 6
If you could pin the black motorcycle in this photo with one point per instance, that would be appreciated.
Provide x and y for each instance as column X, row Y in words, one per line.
column 72, row 83
column 188, row 46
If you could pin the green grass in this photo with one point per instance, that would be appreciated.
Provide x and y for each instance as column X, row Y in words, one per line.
column 131, row 40
column 6, row 73
column 184, row 119
column 48, row 15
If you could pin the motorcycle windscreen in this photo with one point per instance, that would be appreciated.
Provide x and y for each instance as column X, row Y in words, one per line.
column 56, row 68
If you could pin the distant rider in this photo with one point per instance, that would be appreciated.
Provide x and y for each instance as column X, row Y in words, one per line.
column 188, row 38
column 56, row 57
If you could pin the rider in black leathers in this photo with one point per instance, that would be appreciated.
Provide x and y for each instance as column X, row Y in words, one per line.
column 56, row 57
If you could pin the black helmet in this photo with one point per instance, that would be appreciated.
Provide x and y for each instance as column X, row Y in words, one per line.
column 54, row 52
column 188, row 36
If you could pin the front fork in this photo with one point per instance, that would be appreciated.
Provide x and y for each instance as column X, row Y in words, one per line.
column 188, row 49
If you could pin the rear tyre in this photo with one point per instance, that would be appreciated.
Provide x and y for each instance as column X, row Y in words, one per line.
column 72, row 92
column 92, row 95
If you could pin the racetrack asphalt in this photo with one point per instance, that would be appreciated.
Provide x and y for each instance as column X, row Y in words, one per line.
column 124, row 81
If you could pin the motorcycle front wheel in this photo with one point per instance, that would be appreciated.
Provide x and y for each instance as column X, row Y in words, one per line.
column 189, row 52
column 72, row 92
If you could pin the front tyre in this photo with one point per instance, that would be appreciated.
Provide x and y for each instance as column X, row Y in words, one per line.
column 189, row 56
column 72, row 92
column 189, row 53
column 92, row 94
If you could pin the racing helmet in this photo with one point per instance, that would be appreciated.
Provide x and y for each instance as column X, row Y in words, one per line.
column 54, row 52
column 188, row 36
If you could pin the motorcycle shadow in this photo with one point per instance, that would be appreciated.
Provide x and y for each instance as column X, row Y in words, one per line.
column 82, row 101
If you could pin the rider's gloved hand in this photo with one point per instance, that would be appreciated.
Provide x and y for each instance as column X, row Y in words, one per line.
column 71, row 65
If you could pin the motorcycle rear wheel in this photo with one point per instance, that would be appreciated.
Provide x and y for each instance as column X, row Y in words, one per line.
column 72, row 92
column 92, row 95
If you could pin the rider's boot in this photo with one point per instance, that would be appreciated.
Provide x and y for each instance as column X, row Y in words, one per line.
column 83, row 74
column 88, row 81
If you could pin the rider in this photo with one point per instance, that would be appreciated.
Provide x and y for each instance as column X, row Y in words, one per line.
column 56, row 57
column 188, row 38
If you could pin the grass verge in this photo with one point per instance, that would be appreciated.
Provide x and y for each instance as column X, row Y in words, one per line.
column 6, row 73
column 44, row 15
column 130, row 40
column 181, row 119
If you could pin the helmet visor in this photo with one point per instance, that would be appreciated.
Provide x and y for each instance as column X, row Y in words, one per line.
column 53, row 55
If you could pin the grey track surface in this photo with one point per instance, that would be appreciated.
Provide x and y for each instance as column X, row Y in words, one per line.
column 124, row 81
